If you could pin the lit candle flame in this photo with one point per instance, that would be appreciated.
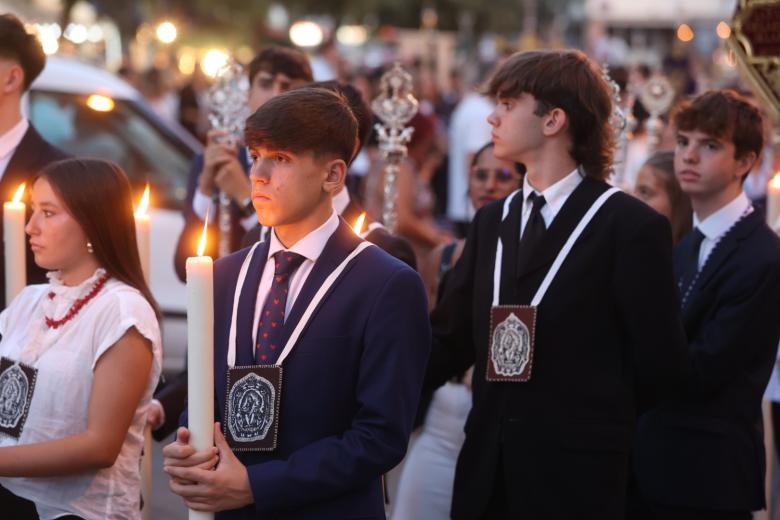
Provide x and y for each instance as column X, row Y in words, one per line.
column 358, row 227
column 143, row 205
column 202, row 243
column 19, row 192
column 775, row 183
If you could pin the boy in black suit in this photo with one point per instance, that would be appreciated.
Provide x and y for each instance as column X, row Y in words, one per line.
column 556, row 396
column 701, row 455
column 22, row 149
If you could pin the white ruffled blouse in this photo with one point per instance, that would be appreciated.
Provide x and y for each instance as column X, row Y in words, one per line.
column 65, row 358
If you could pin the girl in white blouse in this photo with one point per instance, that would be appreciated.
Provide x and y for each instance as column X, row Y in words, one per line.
column 81, row 355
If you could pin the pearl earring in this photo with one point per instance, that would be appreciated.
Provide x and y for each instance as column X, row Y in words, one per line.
column 90, row 250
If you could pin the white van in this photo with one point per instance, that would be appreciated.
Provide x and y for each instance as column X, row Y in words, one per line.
column 146, row 147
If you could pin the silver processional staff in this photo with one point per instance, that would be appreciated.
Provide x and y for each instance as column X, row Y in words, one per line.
column 227, row 102
column 395, row 107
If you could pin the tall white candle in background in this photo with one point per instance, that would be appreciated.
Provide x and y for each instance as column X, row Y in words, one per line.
column 142, row 238
column 142, row 232
column 200, row 353
column 14, row 245
column 773, row 203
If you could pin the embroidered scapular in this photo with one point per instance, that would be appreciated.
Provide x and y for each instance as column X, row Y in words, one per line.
column 17, row 384
column 252, row 409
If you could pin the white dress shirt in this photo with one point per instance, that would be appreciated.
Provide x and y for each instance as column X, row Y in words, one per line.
column 9, row 141
column 555, row 197
column 310, row 247
column 716, row 225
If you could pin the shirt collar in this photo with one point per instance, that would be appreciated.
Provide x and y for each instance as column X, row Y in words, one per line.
column 311, row 245
column 11, row 139
column 555, row 196
column 341, row 201
column 721, row 221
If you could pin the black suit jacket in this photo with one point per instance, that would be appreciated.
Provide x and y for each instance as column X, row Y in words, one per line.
column 607, row 330
column 193, row 225
column 705, row 449
column 32, row 154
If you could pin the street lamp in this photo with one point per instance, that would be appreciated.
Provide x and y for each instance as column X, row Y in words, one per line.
column 685, row 33
column 166, row 32
column 306, row 34
column 213, row 61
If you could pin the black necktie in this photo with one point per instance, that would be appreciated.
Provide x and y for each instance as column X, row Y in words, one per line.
column 691, row 264
column 534, row 229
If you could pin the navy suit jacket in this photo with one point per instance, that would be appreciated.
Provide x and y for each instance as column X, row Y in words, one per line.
column 705, row 448
column 193, row 225
column 351, row 384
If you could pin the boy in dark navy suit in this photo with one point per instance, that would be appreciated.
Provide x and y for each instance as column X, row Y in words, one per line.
column 317, row 445
column 701, row 454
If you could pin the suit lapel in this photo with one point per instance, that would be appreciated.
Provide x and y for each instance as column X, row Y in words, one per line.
column 509, row 234
column 246, row 306
column 722, row 252
column 339, row 246
column 578, row 203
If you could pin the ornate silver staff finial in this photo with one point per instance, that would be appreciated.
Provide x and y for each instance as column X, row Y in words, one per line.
column 657, row 96
column 618, row 122
column 227, row 104
column 395, row 106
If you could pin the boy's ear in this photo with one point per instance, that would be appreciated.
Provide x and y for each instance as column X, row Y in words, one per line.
column 555, row 121
column 746, row 163
column 13, row 80
column 335, row 176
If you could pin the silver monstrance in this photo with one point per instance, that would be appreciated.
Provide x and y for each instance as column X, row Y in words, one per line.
column 227, row 103
column 395, row 106
column 657, row 96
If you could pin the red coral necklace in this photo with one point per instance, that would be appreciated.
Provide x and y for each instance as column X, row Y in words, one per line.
column 77, row 305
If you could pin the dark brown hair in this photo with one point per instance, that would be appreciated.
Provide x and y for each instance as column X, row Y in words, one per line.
column 281, row 60
column 567, row 80
column 662, row 164
column 19, row 45
column 97, row 194
column 359, row 107
column 306, row 119
column 723, row 114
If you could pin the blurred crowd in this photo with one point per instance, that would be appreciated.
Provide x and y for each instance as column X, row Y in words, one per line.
column 439, row 187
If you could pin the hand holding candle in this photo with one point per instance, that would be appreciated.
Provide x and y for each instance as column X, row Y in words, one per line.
column 200, row 353
column 14, row 245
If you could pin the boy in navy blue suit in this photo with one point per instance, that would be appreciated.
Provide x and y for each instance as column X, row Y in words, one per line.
column 701, row 454
column 344, row 326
